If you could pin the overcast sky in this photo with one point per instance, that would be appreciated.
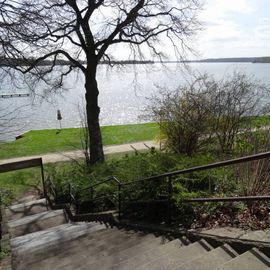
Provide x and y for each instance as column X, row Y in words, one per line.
column 235, row 28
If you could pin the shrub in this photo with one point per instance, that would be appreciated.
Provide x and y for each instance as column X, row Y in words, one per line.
column 253, row 177
column 234, row 101
column 207, row 111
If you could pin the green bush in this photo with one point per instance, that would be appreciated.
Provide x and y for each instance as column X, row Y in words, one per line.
column 137, row 166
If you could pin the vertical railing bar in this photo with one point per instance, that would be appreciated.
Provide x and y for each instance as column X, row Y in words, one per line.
column 92, row 198
column 76, row 203
column 92, row 193
column 43, row 183
column 70, row 191
column 119, row 202
column 169, row 216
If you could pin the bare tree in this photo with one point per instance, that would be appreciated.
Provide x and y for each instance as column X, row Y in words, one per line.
column 253, row 177
column 85, row 32
column 234, row 100
column 84, row 133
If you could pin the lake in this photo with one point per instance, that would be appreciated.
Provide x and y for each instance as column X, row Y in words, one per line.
column 124, row 93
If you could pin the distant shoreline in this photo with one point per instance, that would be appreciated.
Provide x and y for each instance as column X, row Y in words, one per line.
column 27, row 62
column 253, row 60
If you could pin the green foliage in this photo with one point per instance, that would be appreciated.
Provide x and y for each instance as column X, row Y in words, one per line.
column 64, row 173
column 4, row 253
column 137, row 166
column 14, row 183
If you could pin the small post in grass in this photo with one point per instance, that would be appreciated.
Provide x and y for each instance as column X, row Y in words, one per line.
column 59, row 118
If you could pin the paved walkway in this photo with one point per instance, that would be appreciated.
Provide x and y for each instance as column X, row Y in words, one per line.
column 258, row 235
column 65, row 156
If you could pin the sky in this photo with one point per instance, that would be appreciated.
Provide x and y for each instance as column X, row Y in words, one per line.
column 234, row 28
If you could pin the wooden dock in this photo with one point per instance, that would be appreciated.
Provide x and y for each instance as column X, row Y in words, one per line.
column 13, row 95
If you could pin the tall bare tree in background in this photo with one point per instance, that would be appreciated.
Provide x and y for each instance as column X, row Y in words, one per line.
column 85, row 32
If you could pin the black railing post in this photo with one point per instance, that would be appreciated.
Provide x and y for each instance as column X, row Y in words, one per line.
column 170, row 190
column 92, row 198
column 43, row 179
column 119, row 202
column 76, row 203
column 69, row 193
column 92, row 193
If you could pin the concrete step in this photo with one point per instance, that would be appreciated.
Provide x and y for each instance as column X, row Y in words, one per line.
column 25, row 209
column 36, row 222
column 88, row 253
column 211, row 259
column 33, row 247
column 258, row 235
column 178, row 256
column 144, row 256
column 250, row 260
column 28, row 198
column 84, row 261
column 59, row 249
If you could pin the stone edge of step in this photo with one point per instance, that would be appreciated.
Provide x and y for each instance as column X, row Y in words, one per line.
column 68, row 235
column 23, row 239
column 232, row 252
column 255, row 252
column 261, row 256
column 34, row 218
column 23, row 205
column 226, row 248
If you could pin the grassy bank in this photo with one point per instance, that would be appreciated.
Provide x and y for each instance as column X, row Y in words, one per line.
column 48, row 141
column 51, row 140
column 260, row 121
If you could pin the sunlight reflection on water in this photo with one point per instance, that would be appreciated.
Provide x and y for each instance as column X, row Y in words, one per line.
column 123, row 94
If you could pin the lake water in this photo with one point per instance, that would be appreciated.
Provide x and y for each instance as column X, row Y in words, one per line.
column 123, row 94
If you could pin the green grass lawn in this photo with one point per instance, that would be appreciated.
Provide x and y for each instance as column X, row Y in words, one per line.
column 48, row 141
column 260, row 121
column 14, row 183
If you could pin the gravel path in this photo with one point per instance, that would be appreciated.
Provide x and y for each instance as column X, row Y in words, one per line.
column 65, row 156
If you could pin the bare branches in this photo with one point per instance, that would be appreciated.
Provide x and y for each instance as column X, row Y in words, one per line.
column 37, row 35
column 149, row 21
column 209, row 110
column 39, row 28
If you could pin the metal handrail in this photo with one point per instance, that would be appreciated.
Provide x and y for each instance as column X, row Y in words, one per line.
column 219, row 164
column 25, row 164
column 102, row 182
column 74, row 199
column 51, row 186
column 102, row 197
column 169, row 178
column 228, row 199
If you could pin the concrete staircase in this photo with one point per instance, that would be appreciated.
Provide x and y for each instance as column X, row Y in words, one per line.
column 43, row 239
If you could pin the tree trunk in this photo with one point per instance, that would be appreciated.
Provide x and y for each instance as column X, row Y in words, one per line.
column 92, row 112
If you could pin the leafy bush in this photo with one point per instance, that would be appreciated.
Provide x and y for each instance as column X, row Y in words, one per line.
column 137, row 166
column 208, row 111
